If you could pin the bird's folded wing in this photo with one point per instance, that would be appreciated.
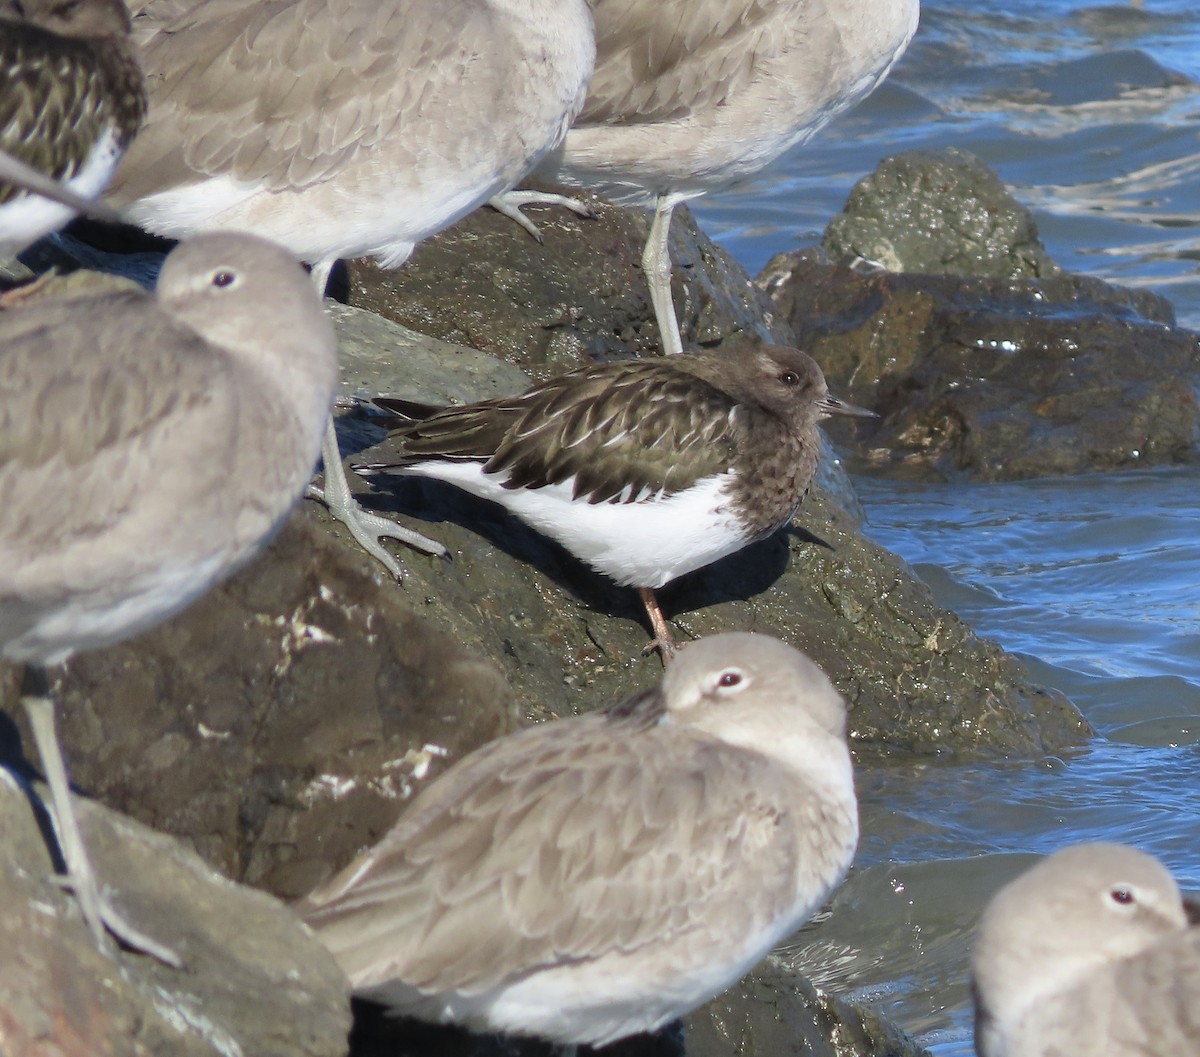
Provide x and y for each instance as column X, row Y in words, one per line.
column 75, row 422
column 661, row 60
column 549, row 849
column 284, row 93
column 44, row 100
column 619, row 434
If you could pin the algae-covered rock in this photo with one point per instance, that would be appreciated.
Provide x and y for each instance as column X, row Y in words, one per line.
column 934, row 212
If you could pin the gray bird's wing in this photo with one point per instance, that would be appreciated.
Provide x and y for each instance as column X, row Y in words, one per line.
column 660, row 60
column 1144, row 1006
column 284, row 93
column 85, row 408
column 566, row 842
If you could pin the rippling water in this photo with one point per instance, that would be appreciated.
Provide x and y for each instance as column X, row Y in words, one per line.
column 1091, row 113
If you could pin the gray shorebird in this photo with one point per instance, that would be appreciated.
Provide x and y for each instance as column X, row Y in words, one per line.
column 71, row 101
column 1091, row 951
column 600, row 876
column 344, row 128
column 644, row 469
column 128, row 487
column 690, row 96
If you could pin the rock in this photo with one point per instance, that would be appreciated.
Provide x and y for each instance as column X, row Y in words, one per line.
column 774, row 1012
column 60, row 995
column 989, row 378
column 580, row 294
column 934, row 212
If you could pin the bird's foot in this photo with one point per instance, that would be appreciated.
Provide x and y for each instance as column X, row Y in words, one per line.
column 510, row 204
column 105, row 920
column 663, row 641
column 367, row 528
column 665, row 648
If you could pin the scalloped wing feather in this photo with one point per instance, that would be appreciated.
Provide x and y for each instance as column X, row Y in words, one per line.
column 663, row 60
column 456, row 895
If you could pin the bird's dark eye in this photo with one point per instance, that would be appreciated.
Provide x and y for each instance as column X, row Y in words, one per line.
column 222, row 279
column 727, row 679
column 1122, row 896
column 790, row 378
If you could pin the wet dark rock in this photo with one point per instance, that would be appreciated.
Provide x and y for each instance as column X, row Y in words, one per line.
column 60, row 995
column 993, row 378
column 579, row 295
column 773, row 1011
column 937, row 211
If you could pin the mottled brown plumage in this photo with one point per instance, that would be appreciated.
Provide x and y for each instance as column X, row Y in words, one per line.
column 598, row 876
column 647, row 469
column 71, row 101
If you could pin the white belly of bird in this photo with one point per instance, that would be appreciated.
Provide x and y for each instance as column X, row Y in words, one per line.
column 646, row 543
column 25, row 219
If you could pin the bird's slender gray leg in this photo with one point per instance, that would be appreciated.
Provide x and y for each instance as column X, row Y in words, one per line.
column 100, row 915
column 509, row 203
column 656, row 263
column 364, row 527
column 339, row 501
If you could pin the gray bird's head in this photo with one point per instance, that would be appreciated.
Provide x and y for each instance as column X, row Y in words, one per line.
column 254, row 299
column 741, row 686
column 1073, row 913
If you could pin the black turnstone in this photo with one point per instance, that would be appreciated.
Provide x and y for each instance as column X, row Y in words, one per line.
column 600, row 876
column 71, row 100
column 128, row 491
column 644, row 469
column 1093, row 951
column 690, row 96
column 347, row 128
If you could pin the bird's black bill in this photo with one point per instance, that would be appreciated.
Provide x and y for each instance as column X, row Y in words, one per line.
column 832, row 405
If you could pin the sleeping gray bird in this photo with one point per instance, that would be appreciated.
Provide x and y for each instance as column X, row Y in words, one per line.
column 149, row 446
column 600, row 876
column 690, row 96
column 1089, row 952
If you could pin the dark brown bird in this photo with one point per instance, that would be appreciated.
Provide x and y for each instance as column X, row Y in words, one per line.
column 71, row 101
column 644, row 469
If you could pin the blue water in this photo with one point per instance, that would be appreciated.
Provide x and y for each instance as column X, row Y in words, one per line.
column 1091, row 114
